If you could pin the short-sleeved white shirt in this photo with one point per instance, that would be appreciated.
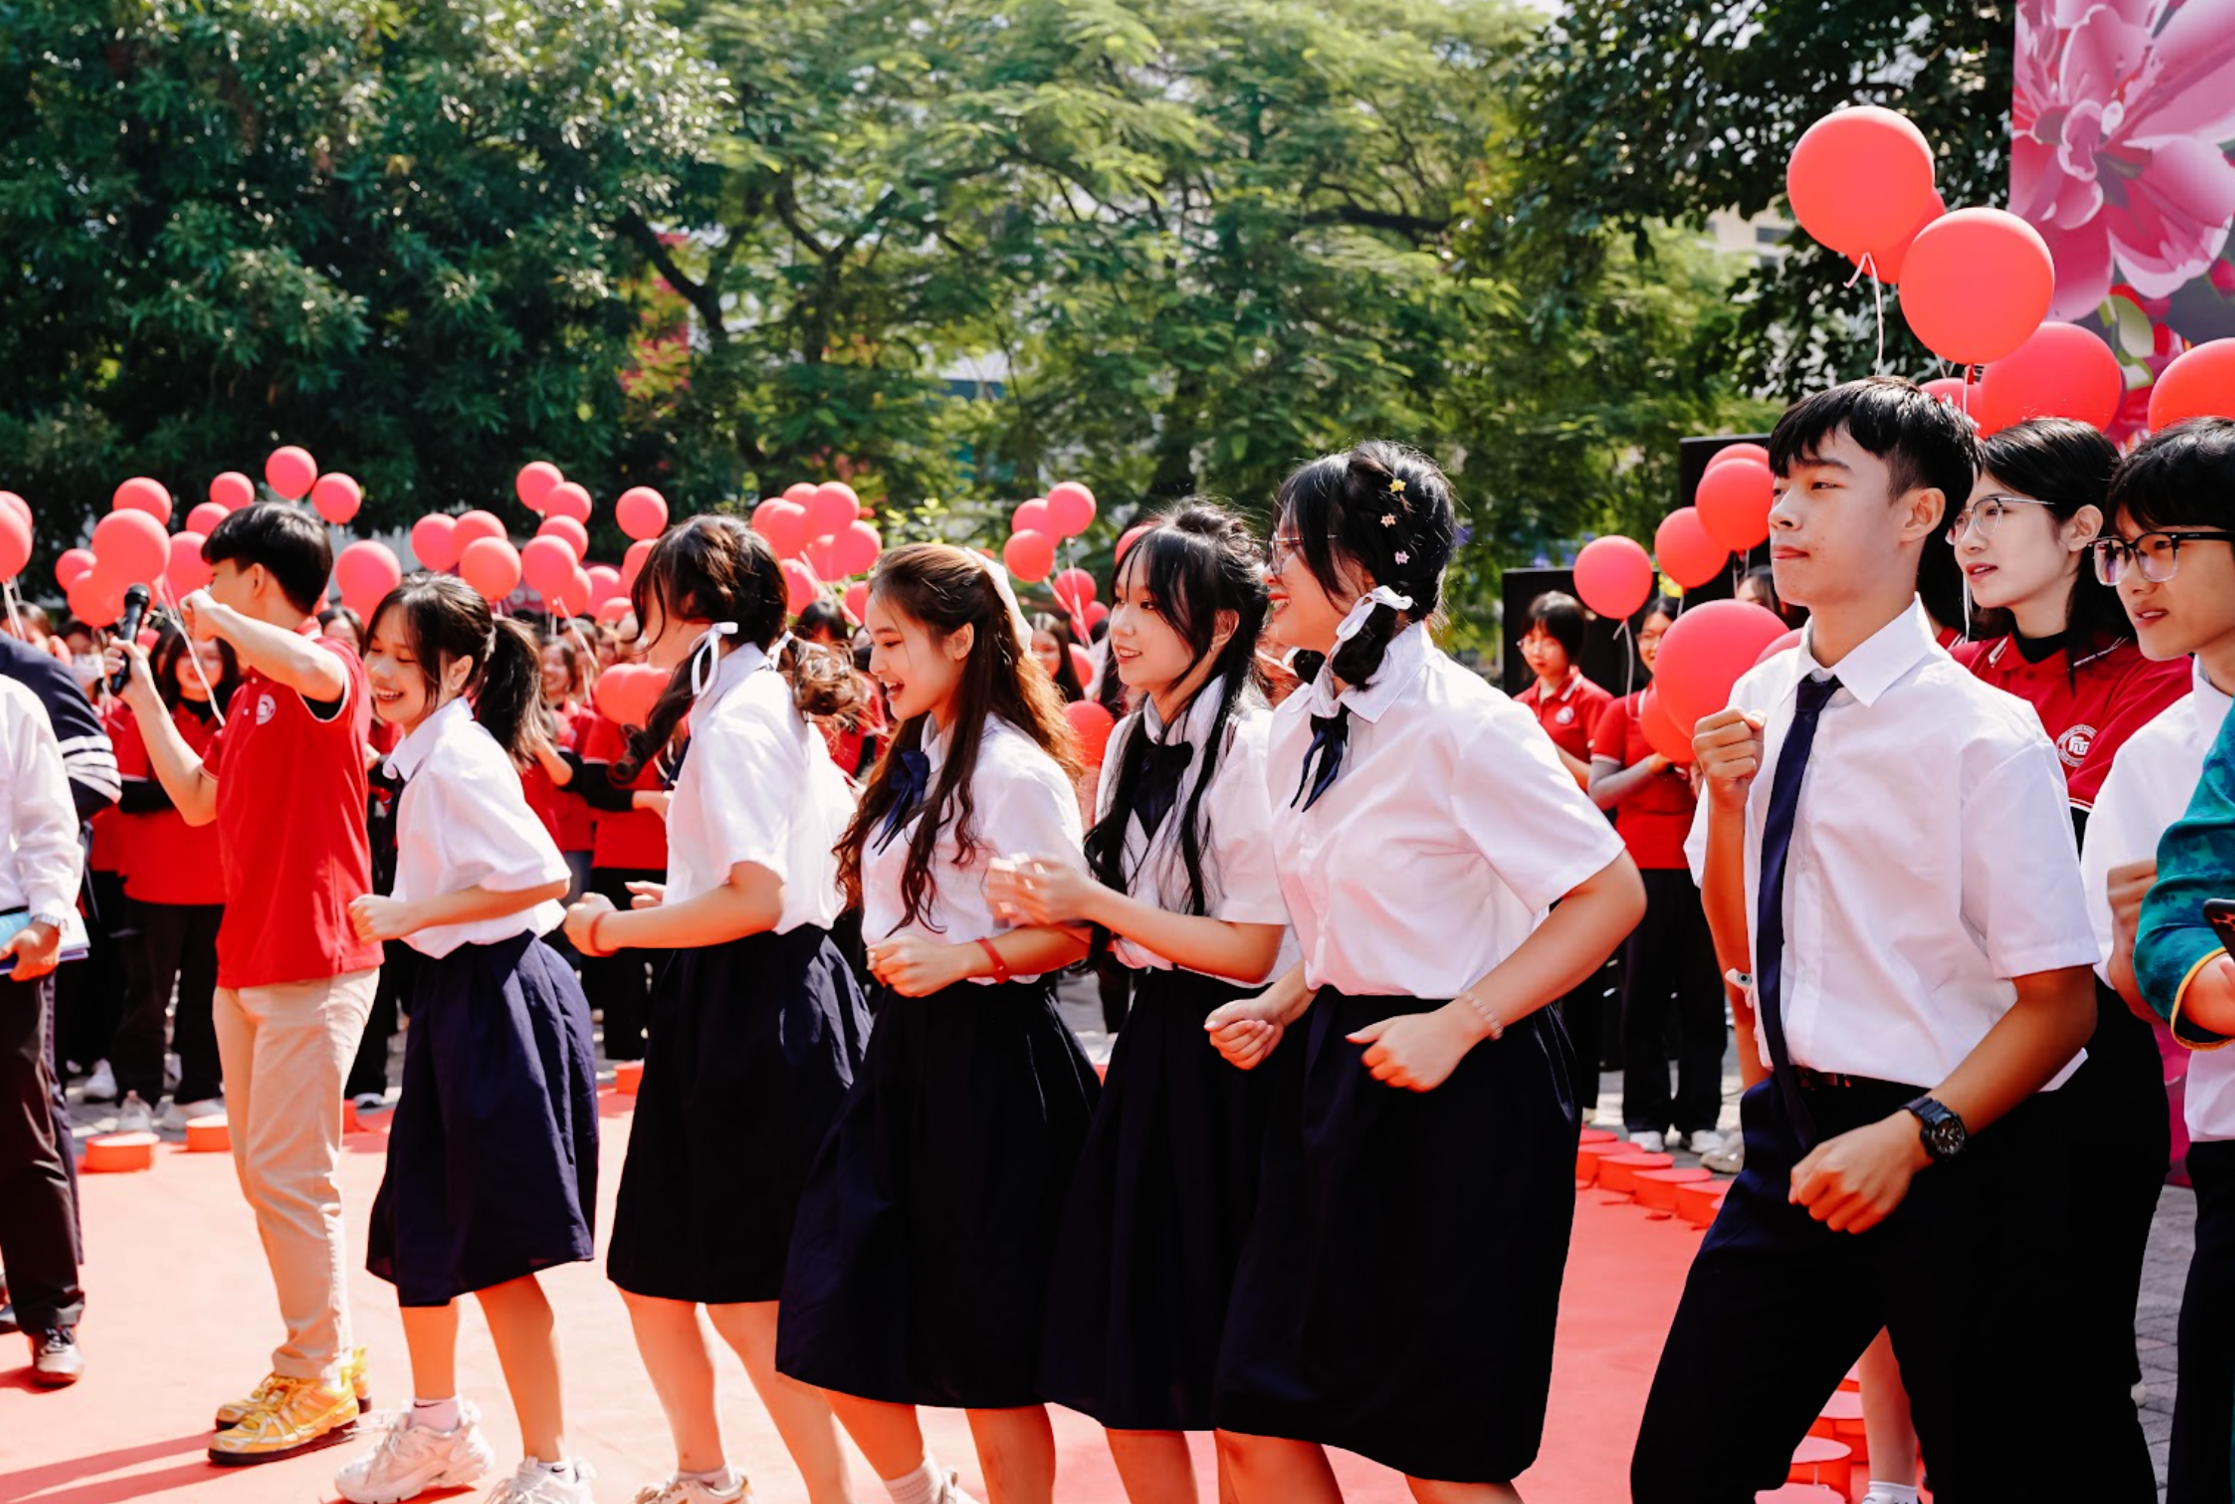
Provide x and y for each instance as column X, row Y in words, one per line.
column 1931, row 861
column 1240, row 883
column 757, row 786
column 1023, row 803
column 2147, row 789
column 1450, row 833
column 463, row 821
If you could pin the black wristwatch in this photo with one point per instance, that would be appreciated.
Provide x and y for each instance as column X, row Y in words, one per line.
column 1943, row 1132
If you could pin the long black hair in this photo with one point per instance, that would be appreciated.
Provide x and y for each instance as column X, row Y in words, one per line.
column 170, row 648
column 2066, row 466
column 1194, row 563
column 446, row 621
column 1382, row 507
column 1066, row 671
column 715, row 568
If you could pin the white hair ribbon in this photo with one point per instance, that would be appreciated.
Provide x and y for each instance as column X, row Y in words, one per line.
column 706, row 655
column 1355, row 621
column 1001, row 587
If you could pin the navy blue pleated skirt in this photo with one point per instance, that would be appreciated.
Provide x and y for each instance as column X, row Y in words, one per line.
column 1153, row 1230
column 493, row 1151
column 1401, row 1281
column 752, row 1048
column 919, row 1266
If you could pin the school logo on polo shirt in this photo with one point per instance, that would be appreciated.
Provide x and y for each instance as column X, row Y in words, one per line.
column 265, row 707
column 2073, row 745
column 1566, row 717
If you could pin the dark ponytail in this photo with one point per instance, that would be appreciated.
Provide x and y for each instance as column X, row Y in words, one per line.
column 715, row 568
column 1382, row 508
column 447, row 621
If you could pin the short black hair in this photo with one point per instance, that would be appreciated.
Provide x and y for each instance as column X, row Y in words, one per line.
column 1922, row 440
column 1561, row 616
column 2181, row 477
column 287, row 541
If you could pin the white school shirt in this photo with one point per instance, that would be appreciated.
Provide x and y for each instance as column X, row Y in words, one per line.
column 1931, row 860
column 1450, row 832
column 463, row 822
column 1240, row 883
column 2147, row 789
column 757, row 786
column 1023, row 803
column 40, row 859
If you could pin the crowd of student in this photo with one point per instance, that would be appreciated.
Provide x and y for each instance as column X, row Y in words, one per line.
column 1324, row 1196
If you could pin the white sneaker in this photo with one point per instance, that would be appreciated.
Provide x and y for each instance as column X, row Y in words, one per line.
column 1649, row 1140
column 369, row 1101
column 101, row 1085
column 950, row 1491
column 1705, row 1141
column 182, row 1113
column 135, row 1116
column 681, row 1490
column 1730, row 1158
column 412, row 1459
column 533, row 1483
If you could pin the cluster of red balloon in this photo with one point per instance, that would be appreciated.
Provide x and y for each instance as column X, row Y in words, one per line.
column 822, row 534
column 1705, row 651
column 1037, row 526
column 625, row 693
column 1730, row 515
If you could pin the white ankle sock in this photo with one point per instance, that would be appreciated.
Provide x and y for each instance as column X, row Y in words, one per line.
column 439, row 1415
column 918, row 1487
column 1891, row 1493
column 722, row 1480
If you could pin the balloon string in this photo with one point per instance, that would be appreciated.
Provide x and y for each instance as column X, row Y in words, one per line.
column 1869, row 263
column 1629, row 657
column 209, row 691
column 15, row 622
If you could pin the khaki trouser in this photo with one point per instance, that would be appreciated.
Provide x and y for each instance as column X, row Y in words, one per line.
column 286, row 1050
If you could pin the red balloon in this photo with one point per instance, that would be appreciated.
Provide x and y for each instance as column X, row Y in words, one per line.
column 548, row 563
column 1133, row 535
column 566, row 499
column 1705, row 651
column 605, row 584
column 1032, row 517
column 568, row 531
column 632, row 562
column 1887, row 263
column 2061, row 372
column 139, row 494
column 799, row 493
column 1860, row 179
column 614, row 610
column 1092, row 725
column 435, row 542
column 1070, row 508
column 491, row 566
column 855, row 550
column 784, row 524
column 857, row 602
column 1662, row 734
column 205, row 517
column 337, row 498
column 10, row 502
column 1073, row 590
column 366, row 572
column 1096, row 614
column 232, row 490
column 95, row 600
column 290, row 472
column 1789, row 640
column 1082, row 663
column 534, row 483
column 800, row 586
column 641, row 512
column 572, row 596
column 186, row 573
column 832, row 507
column 1741, row 451
column 74, row 565
column 1949, row 389
column 1733, row 501
column 1029, row 556
column 15, row 543
column 1688, row 553
column 2200, row 383
column 626, row 693
column 131, row 547
column 1976, row 284
column 1614, row 576
column 475, row 525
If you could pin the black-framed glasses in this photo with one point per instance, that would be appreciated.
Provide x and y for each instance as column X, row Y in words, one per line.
column 2156, row 554
column 1985, row 515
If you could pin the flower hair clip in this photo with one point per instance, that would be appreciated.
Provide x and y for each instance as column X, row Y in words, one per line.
column 1389, row 519
column 1396, row 485
column 1402, row 557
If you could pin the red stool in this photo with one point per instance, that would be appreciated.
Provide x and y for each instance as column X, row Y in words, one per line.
column 1698, row 1201
column 349, row 1123
column 1853, row 1381
column 1842, row 1421
column 120, row 1151
column 1588, row 1157
column 1619, row 1172
column 627, row 1076
column 1801, row 1493
column 1822, row 1460
column 1656, row 1189
column 208, row 1135
column 1598, row 1136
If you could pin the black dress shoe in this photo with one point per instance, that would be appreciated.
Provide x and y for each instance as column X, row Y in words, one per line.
column 56, row 1362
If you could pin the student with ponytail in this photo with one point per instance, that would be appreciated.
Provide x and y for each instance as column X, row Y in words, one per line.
column 1401, row 1280
column 1178, row 882
column 761, row 1022
column 919, row 1268
column 493, row 1150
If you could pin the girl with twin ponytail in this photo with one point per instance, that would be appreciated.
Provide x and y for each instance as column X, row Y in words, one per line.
column 1399, row 1285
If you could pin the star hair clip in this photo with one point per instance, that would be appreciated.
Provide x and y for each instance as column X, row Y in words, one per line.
column 1396, row 485
column 1389, row 519
column 1402, row 557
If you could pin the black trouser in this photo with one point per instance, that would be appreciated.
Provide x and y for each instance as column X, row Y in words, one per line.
column 2204, row 1404
column 621, row 984
column 1670, row 958
column 38, row 1213
column 2120, row 1149
column 368, row 1072
column 93, row 993
column 1583, row 1015
column 178, row 944
column 1966, row 1276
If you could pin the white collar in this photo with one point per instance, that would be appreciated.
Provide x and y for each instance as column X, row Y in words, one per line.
column 1401, row 664
column 411, row 753
column 1871, row 669
column 2207, row 702
column 741, row 662
column 1195, row 724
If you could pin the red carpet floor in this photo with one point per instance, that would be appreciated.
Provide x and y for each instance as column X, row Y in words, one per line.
column 181, row 1316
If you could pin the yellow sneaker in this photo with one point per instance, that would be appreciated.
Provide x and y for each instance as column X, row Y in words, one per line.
column 234, row 1412
column 301, row 1415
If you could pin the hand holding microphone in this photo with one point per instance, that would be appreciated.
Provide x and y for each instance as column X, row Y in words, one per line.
column 128, row 632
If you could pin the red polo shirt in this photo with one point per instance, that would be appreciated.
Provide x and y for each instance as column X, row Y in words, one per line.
column 1568, row 716
column 2090, row 708
column 565, row 814
column 166, row 859
column 1654, row 819
column 634, row 838
column 291, row 831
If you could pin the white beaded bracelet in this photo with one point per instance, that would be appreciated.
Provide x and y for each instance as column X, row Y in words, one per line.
column 1482, row 1009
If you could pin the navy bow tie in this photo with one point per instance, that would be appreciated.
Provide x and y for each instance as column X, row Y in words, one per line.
column 1159, row 788
column 1330, row 734
column 909, row 782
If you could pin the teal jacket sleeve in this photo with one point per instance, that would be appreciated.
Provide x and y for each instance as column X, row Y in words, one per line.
column 2195, row 862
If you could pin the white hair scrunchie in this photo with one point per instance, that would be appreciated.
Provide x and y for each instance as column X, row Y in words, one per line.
column 1355, row 621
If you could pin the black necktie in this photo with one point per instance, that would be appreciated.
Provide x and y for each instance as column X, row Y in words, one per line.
column 1769, row 924
column 1159, row 789
column 1330, row 734
column 909, row 784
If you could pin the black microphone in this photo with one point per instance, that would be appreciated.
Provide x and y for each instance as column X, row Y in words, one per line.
column 135, row 607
